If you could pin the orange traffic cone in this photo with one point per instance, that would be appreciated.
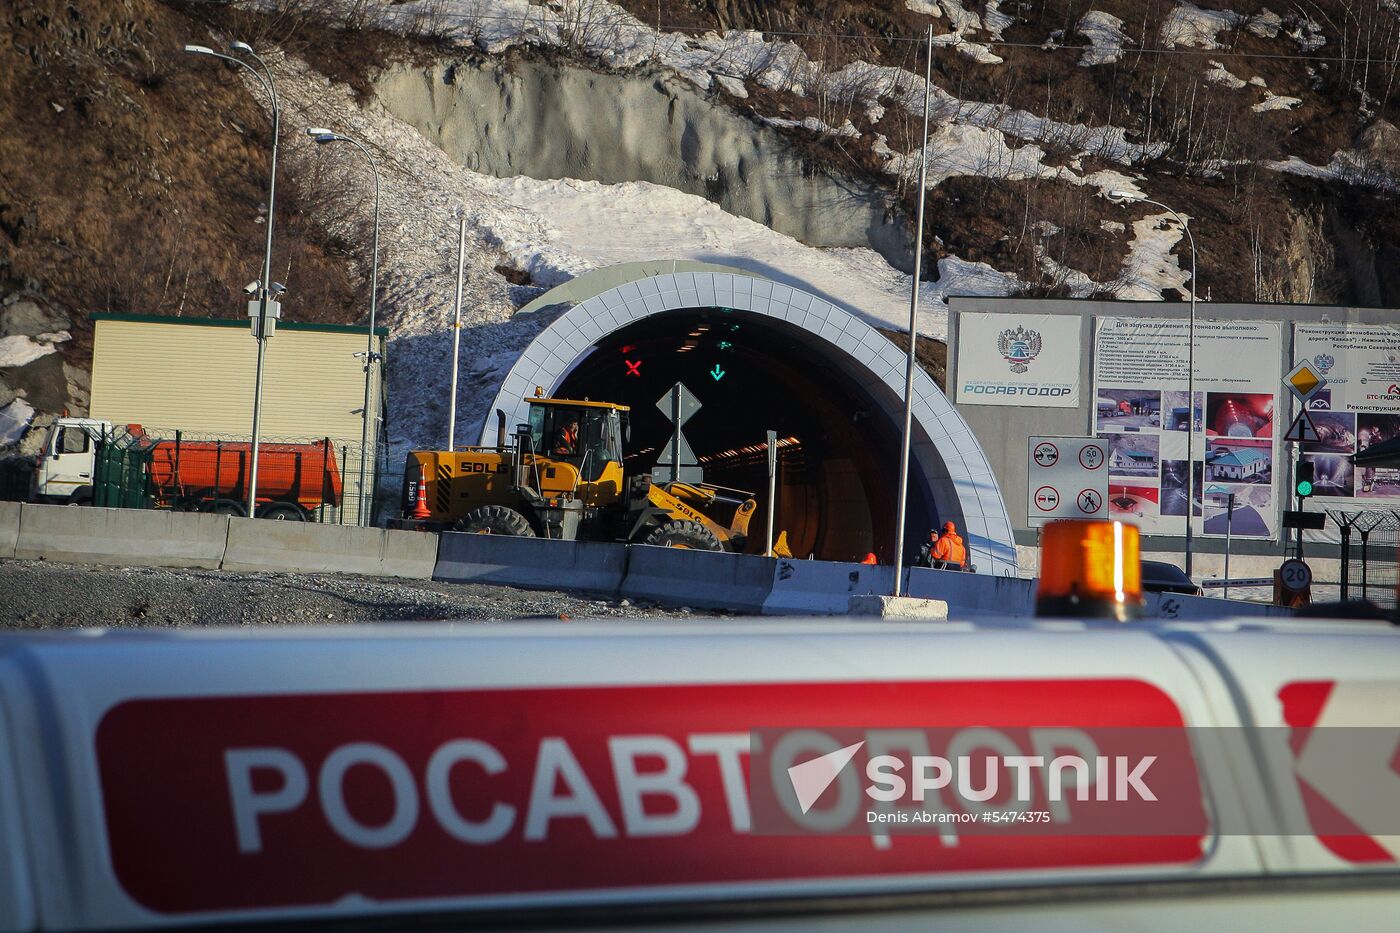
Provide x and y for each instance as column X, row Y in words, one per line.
column 420, row 508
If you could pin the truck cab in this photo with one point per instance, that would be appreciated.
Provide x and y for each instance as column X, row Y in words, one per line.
column 64, row 469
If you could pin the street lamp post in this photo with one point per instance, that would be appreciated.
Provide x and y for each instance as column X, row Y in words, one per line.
column 269, row 85
column 324, row 136
column 911, row 362
column 1122, row 197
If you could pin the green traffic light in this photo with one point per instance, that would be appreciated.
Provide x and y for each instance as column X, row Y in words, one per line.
column 1305, row 487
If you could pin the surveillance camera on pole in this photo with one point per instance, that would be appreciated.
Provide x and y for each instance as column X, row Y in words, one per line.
column 263, row 311
column 264, row 326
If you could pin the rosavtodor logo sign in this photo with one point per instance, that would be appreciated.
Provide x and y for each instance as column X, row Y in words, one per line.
column 1019, row 347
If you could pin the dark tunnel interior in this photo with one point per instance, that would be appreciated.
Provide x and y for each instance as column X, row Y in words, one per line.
column 838, row 450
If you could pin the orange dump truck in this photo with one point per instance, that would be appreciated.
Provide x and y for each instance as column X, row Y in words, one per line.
column 293, row 479
column 88, row 461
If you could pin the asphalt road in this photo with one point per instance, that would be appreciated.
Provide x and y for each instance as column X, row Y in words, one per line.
column 42, row 594
column 1246, row 521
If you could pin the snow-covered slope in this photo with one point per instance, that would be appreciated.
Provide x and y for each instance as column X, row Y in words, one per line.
column 553, row 230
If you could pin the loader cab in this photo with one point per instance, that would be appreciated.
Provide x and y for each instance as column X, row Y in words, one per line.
column 587, row 435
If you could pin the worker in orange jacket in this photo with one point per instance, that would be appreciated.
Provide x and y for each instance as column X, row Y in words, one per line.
column 948, row 552
column 566, row 439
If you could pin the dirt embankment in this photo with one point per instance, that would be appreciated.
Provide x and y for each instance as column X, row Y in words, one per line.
column 45, row 595
column 133, row 177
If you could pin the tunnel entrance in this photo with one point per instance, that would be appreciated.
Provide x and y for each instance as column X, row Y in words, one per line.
column 759, row 354
column 838, row 463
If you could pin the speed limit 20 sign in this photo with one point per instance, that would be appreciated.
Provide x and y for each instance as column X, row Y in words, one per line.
column 1294, row 575
column 1067, row 478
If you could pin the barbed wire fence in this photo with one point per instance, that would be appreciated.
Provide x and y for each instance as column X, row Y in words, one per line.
column 345, row 452
column 1368, row 555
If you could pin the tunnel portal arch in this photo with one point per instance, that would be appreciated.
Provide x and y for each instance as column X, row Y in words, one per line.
column 950, row 475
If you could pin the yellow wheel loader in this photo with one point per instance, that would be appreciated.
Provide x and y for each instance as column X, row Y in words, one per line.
column 561, row 476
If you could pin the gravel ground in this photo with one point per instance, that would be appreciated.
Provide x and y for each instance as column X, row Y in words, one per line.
column 42, row 594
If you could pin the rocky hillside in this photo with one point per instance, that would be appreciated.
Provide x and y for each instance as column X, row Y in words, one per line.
column 133, row 177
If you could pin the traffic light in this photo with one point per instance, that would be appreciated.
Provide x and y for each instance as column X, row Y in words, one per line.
column 1303, row 484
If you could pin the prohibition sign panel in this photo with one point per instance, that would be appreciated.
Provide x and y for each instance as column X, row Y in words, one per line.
column 1066, row 477
column 1045, row 454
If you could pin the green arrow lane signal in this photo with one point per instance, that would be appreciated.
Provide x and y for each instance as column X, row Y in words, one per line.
column 717, row 373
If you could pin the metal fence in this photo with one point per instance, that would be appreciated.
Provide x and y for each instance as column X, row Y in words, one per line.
column 1369, row 542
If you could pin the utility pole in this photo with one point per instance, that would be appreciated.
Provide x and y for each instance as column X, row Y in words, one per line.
column 457, row 329
column 913, row 329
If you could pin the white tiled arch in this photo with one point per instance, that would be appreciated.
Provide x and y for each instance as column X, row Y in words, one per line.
column 947, row 460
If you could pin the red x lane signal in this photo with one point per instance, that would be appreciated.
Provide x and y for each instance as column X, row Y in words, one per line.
column 634, row 368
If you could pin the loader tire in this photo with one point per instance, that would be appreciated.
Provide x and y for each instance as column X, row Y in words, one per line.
column 683, row 534
column 495, row 520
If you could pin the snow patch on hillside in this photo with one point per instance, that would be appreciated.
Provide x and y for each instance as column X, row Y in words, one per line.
column 1151, row 268
column 965, row 23
column 592, row 225
column 816, row 126
column 966, row 150
column 1308, row 35
column 1274, row 101
column 1346, row 165
column 15, row 418
column 1106, row 38
column 20, row 350
column 618, row 40
column 1219, row 74
column 1189, row 25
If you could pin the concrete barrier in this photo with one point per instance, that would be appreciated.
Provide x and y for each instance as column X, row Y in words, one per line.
column 820, row 587
column 1179, row 606
column 259, row 544
column 590, row 566
column 899, row 608
column 121, row 537
column 9, row 528
column 706, row 579
column 969, row 594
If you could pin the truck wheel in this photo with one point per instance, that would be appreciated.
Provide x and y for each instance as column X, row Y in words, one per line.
column 685, row 534
column 282, row 512
column 223, row 507
column 495, row 520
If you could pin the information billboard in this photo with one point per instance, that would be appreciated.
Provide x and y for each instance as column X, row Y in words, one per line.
column 1141, row 411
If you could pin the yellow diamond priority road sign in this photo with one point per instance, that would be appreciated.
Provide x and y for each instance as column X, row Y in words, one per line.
column 1304, row 381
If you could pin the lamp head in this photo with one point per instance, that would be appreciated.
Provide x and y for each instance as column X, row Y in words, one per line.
column 321, row 134
column 240, row 47
column 198, row 50
column 1123, row 197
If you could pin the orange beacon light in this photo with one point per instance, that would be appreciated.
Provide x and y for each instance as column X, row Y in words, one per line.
column 1090, row 570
